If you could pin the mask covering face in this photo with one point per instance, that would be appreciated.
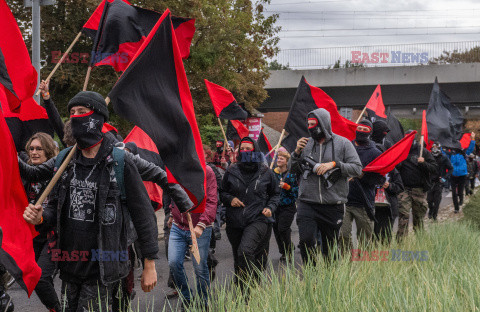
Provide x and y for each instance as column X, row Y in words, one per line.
column 362, row 137
column 219, row 145
column 248, row 160
column 435, row 151
column 315, row 131
column 87, row 129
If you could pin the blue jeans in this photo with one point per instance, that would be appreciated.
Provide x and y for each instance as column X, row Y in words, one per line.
column 177, row 247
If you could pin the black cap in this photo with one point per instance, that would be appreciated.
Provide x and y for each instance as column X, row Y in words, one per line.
column 92, row 100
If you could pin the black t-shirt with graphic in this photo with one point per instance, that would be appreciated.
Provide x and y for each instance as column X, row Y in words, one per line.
column 80, row 224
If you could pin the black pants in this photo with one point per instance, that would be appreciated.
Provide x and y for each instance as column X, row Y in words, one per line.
column 85, row 297
column 45, row 289
column 434, row 197
column 469, row 186
column 282, row 228
column 314, row 218
column 383, row 226
column 458, row 186
column 250, row 247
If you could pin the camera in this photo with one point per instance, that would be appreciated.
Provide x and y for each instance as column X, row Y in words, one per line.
column 328, row 179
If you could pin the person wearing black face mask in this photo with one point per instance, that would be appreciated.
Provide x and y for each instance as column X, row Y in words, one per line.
column 444, row 168
column 251, row 195
column 361, row 195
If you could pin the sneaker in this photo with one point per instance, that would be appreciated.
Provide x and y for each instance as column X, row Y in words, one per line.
column 172, row 294
column 456, row 211
column 6, row 303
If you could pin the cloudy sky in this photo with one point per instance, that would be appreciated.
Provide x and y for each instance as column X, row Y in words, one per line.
column 346, row 23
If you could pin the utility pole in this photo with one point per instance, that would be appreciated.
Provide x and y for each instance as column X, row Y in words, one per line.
column 35, row 4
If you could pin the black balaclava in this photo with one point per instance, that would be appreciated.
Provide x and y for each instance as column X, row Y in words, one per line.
column 363, row 137
column 315, row 131
column 219, row 144
column 380, row 130
column 87, row 129
column 436, row 150
column 249, row 161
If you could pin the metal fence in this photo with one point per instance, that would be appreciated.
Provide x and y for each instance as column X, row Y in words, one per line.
column 376, row 55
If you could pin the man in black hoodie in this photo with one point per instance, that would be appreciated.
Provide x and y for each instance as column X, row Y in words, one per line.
column 250, row 194
column 88, row 211
column 361, row 195
column 444, row 166
column 416, row 175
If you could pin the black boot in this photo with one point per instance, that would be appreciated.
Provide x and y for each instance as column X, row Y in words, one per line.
column 6, row 303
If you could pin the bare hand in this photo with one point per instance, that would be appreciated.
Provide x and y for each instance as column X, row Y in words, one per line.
column 301, row 145
column 325, row 167
column 385, row 185
column 421, row 160
column 281, row 184
column 149, row 276
column 44, row 85
column 237, row 203
column 473, row 135
column 33, row 214
column 267, row 212
column 198, row 231
column 170, row 222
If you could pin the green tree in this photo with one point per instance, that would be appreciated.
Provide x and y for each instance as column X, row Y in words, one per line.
column 230, row 47
column 455, row 57
column 275, row 65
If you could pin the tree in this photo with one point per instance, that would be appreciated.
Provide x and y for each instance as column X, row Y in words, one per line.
column 275, row 65
column 230, row 47
column 455, row 57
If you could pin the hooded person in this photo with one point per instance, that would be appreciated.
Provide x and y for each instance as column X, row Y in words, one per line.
column 324, row 163
column 251, row 195
column 87, row 210
column 472, row 168
column 361, row 196
column 379, row 134
column 416, row 175
column 444, row 168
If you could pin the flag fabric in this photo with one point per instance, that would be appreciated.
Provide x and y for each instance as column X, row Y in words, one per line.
column 444, row 120
column 17, row 66
column 16, row 235
column 91, row 26
column 148, row 151
column 236, row 130
column 121, row 30
column 387, row 161
column 224, row 103
column 109, row 128
column 265, row 145
column 396, row 132
column 424, row 132
column 465, row 140
column 308, row 98
column 153, row 93
column 375, row 107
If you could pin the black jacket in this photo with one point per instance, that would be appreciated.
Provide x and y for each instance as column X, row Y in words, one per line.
column 443, row 164
column 417, row 175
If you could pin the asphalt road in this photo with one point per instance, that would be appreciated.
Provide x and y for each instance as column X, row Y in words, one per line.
column 157, row 299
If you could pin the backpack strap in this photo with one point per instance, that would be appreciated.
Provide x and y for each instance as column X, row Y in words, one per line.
column 119, row 168
column 61, row 156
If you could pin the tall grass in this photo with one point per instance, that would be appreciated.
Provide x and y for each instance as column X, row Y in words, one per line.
column 471, row 211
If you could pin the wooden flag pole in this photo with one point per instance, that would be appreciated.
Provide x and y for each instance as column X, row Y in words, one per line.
column 87, row 78
column 61, row 60
column 361, row 114
column 421, row 146
column 276, row 148
column 273, row 149
column 57, row 175
column 194, row 248
column 224, row 137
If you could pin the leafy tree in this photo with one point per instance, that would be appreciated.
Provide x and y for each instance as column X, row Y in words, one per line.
column 455, row 57
column 230, row 47
column 275, row 65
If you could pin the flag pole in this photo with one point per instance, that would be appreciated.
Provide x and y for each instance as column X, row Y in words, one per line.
column 61, row 60
column 224, row 136
column 87, row 78
column 361, row 114
column 421, row 146
column 276, row 148
column 194, row 247
column 57, row 175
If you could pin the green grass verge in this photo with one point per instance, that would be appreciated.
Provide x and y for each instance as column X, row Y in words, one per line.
column 471, row 211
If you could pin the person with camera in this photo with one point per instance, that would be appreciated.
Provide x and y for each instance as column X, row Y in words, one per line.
column 324, row 163
column 444, row 168
column 361, row 196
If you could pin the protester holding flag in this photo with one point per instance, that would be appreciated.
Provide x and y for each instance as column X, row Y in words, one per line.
column 361, row 195
column 324, row 163
column 250, row 193
column 444, row 168
column 287, row 206
column 416, row 172
column 457, row 157
column 90, row 188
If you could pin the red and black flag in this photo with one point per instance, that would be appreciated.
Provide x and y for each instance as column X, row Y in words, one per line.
column 444, row 120
column 153, row 93
column 424, row 133
column 121, row 30
column 147, row 150
column 236, row 130
column 308, row 98
column 91, row 26
column 465, row 140
column 387, row 161
column 16, row 235
column 224, row 103
column 265, row 146
column 18, row 76
column 375, row 107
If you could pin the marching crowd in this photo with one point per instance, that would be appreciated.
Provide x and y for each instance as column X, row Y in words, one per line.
column 98, row 219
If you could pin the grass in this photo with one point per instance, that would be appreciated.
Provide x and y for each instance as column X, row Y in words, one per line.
column 471, row 210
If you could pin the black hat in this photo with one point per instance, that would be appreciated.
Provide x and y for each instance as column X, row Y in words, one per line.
column 132, row 147
column 91, row 100
column 367, row 123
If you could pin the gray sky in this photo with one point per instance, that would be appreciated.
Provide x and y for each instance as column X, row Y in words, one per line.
column 341, row 23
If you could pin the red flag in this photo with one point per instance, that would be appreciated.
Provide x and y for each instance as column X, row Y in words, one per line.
column 236, row 130
column 428, row 143
column 184, row 31
column 20, row 70
column 108, row 128
column 153, row 93
column 16, row 235
column 91, row 26
column 465, row 140
column 387, row 161
column 148, row 151
column 224, row 103
column 375, row 106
